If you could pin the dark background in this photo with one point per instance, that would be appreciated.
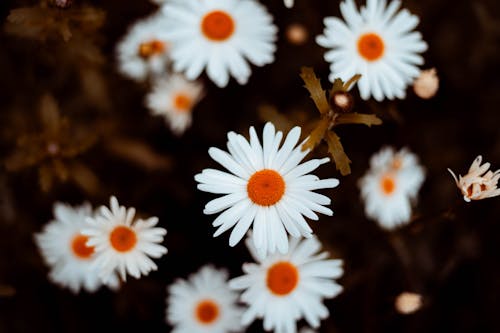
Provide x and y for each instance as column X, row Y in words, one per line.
column 449, row 254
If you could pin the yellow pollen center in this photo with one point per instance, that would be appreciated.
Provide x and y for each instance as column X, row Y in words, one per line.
column 182, row 102
column 123, row 239
column 266, row 187
column 371, row 46
column 207, row 312
column 79, row 247
column 217, row 25
column 387, row 184
column 151, row 48
column 282, row 278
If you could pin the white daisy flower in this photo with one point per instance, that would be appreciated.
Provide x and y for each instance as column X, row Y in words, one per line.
column 221, row 36
column 379, row 43
column 123, row 245
column 203, row 304
column 64, row 249
column 145, row 49
column 267, row 187
column 390, row 186
column 283, row 288
column 174, row 98
column 307, row 330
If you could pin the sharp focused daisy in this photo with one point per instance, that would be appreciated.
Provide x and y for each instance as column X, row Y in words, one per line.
column 377, row 42
column 283, row 288
column 174, row 98
column 479, row 183
column 390, row 186
column 267, row 187
column 203, row 304
column 64, row 248
column 123, row 244
column 144, row 50
column 221, row 36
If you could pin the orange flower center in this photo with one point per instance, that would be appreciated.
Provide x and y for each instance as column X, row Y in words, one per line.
column 79, row 248
column 282, row 278
column 182, row 102
column 123, row 239
column 387, row 184
column 397, row 163
column 371, row 46
column 266, row 187
column 207, row 312
column 151, row 48
column 217, row 25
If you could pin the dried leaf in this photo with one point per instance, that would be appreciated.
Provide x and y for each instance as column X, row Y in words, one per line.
column 358, row 118
column 351, row 82
column 317, row 134
column 270, row 113
column 45, row 177
column 138, row 153
column 49, row 115
column 337, row 151
column 313, row 85
column 338, row 85
column 84, row 177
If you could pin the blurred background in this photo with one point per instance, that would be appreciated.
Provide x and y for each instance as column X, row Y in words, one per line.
column 109, row 144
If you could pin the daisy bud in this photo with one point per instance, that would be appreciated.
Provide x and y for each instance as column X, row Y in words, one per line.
column 341, row 101
column 427, row 84
column 408, row 303
column 296, row 34
column 62, row 3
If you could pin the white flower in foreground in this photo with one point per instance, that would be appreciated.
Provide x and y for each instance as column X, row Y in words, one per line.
column 283, row 288
column 123, row 245
column 144, row 50
column 203, row 304
column 220, row 36
column 267, row 187
column 377, row 42
column 174, row 98
column 64, row 248
column 479, row 183
column 390, row 186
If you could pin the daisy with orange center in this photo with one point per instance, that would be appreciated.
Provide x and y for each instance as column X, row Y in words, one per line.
column 174, row 98
column 266, row 187
column 203, row 304
column 122, row 244
column 391, row 186
column 377, row 42
column 145, row 50
column 65, row 249
column 283, row 288
column 222, row 37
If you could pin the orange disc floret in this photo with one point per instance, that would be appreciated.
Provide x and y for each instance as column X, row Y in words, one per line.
column 387, row 184
column 123, row 239
column 151, row 48
column 182, row 102
column 266, row 187
column 79, row 247
column 371, row 46
column 207, row 311
column 217, row 25
column 282, row 278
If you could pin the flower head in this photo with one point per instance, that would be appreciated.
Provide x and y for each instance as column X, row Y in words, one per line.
column 376, row 42
column 64, row 248
column 203, row 304
column 390, row 186
column 123, row 244
column 220, row 36
column 283, row 288
column 479, row 183
column 267, row 187
column 427, row 84
column 174, row 98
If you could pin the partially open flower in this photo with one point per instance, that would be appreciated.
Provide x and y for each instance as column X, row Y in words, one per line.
column 479, row 183
column 427, row 84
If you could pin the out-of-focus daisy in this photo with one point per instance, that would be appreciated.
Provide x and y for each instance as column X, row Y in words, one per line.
column 289, row 3
column 203, row 304
column 267, row 187
column 479, row 183
column 123, row 244
column 307, row 330
column 145, row 49
column 221, row 36
column 377, row 42
column 174, row 98
column 390, row 186
column 283, row 288
column 64, row 248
